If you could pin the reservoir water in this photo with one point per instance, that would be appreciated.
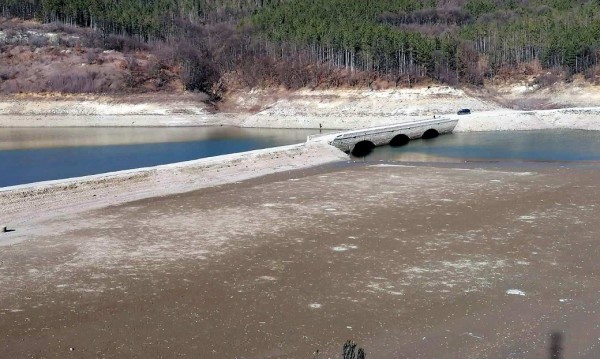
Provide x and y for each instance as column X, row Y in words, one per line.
column 519, row 146
column 39, row 154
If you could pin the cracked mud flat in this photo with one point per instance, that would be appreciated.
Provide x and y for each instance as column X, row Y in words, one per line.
column 408, row 261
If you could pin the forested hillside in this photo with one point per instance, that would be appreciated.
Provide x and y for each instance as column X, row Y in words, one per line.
column 214, row 44
column 441, row 39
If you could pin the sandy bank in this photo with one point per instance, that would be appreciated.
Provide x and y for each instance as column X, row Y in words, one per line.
column 587, row 118
column 166, row 110
column 331, row 109
column 352, row 109
column 29, row 203
column 408, row 261
column 119, row 120
column 90, row 105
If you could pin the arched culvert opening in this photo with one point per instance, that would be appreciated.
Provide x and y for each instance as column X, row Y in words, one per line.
column 431, row 133
column 363, row 148
column 399, row 140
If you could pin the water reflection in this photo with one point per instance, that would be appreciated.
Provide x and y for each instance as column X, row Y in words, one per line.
column 39, row 154
column 44, row 154
column 30, row 138
column 551, row 145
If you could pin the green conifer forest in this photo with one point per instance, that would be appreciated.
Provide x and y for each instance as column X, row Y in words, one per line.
column 299, row 43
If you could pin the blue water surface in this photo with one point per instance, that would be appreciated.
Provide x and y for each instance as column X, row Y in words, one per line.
column 29, row 165
column 545, row 145
column 58, row 153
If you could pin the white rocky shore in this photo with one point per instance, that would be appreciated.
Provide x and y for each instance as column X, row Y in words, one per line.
column 33, row 203
column 577, row 118
column 329, row 109
column 304, row 109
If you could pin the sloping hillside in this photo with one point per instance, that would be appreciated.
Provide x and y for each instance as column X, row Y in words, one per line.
column 215, row 47
column 39, row 58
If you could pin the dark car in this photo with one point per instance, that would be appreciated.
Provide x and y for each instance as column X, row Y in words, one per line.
column 464, row 111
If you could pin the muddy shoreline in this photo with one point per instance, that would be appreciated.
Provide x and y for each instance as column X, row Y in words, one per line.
column 282, row 252
column 25, row 205
column 409, row 261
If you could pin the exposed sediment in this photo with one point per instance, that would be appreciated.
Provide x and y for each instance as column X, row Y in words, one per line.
column 305, row 109
column 32, row 202
column 408, row 261
column 327, row 109
column 585, row 118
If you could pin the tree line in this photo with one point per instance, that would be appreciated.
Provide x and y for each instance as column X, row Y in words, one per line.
column 445, row 40
column 299, row 43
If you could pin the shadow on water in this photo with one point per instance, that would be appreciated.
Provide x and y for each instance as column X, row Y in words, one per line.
column 429, row 134
column 399, row 141
column 363, row 148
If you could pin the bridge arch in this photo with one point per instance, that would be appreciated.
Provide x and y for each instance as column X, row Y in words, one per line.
column 431, row 133
column 362, row 148
column 399, row 140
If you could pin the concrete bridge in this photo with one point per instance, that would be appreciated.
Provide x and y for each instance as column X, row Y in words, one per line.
column 361, row 142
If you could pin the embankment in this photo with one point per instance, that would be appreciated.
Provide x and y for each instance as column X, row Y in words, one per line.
column 110, row 111
column 327, row 109
column 39, row 201
column 584, row 118
column 353, row 109
column 333, row 109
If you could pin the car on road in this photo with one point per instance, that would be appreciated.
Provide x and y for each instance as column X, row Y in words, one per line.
column 464, row 111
